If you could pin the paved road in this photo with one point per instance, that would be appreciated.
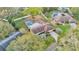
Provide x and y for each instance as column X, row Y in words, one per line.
column 4, row 43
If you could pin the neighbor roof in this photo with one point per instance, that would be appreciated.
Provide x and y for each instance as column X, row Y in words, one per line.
column 63, row 18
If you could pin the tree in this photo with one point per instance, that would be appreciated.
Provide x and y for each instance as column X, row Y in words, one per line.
column 11, row 14
column 34, row 11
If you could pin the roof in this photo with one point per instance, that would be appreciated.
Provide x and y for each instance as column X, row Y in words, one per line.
column 37, row 27
column 63, row 18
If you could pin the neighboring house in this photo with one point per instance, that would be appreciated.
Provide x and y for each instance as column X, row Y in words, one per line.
column 63, row 18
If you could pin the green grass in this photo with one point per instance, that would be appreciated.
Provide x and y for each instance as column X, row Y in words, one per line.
column 5, row 29
column 70, row 42
column 20, row 24
column 29, row 42
column 65, row 28
column 75, row 12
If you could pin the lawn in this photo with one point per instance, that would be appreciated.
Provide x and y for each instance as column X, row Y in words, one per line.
column 30, row 42
column 5, row 29
column 65, row 28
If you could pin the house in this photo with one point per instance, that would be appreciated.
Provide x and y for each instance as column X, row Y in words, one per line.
column 63, row 18
column 37, row 25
